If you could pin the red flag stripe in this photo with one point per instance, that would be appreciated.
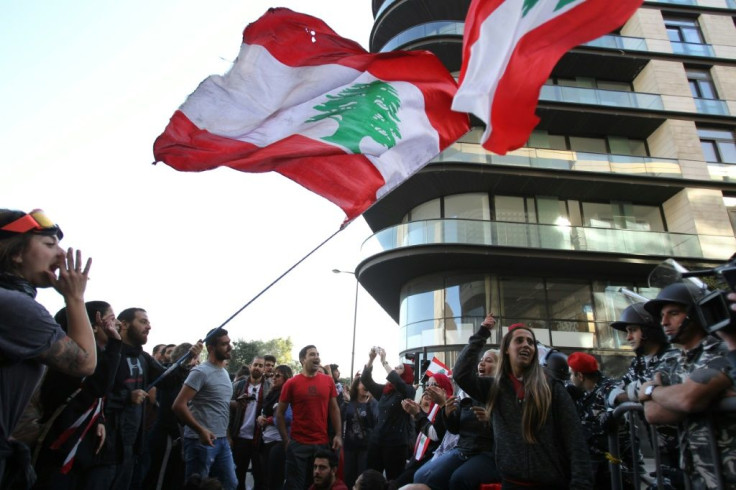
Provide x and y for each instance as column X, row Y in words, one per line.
column 349, row 181
column 533, row 60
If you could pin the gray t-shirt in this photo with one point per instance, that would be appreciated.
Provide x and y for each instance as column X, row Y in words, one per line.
column 26, row 330
column 211, row 405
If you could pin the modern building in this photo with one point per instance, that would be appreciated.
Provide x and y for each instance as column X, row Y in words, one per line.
column 633, row 162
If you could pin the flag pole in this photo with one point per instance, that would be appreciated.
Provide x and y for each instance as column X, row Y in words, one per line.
column 186, row 356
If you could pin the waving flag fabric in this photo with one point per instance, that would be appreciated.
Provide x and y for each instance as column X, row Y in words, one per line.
column 317, row 108
column 509, row 50
column 437, row 367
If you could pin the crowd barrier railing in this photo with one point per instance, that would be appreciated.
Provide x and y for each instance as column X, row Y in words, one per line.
column 636, row 411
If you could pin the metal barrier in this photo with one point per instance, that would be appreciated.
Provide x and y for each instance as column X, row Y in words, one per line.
column 637, row 413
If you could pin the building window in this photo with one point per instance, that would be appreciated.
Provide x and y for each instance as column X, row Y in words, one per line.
column 620, row 145
column 730, row 203
column 467, row 206
column 683, row 30
column 622, row 216
column 545, row 210
column 615, row 145
column 590, row 145
column 511, row 209
column 446, row 309
column 701, row 83
column 593, row 83
column 428, row 210
column 718, row 145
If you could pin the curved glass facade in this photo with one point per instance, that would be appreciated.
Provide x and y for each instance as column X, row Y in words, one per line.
column 553, row 237
column 552, row 158
column 424, row 31
column 442, row 303
column 440, row 312
column 613, row 98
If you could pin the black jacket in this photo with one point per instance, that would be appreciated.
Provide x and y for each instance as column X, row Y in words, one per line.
column 394, row 425
column 55, row 390
column 474, row 436
column 123, row 419
column 560, row 457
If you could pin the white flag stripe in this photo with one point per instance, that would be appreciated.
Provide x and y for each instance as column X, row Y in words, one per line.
column 256, row 89
column 343, row 123
column 419, row 141
column 278, row 103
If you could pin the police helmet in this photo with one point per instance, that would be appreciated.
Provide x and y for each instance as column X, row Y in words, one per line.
column 634, row 315
column 555, row 363
column 683, row 293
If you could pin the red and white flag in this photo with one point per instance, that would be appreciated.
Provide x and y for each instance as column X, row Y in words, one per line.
column 423, row 440
column 509, row 50
column 437, row 367
column 319, row 109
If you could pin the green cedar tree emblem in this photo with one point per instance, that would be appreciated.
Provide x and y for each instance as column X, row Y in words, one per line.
column 530, row 4
column 363, row 109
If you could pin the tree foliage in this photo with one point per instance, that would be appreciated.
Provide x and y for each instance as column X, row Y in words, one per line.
column 363, row 109
column 245, row 350
column 530, row 4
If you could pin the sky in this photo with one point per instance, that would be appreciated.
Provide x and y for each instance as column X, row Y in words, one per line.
column 86, row 88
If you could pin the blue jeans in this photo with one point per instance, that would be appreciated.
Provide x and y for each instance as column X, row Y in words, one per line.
column 455, row 470
column 212, row 461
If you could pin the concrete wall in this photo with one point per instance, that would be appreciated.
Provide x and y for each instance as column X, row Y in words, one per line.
column 669, row 79
column 702, row 212
column 648, row 23
column 719, row 31
column 724, row 78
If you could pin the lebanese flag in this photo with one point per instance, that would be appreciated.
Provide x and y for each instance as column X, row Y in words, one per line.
column 319, row 109
column 509, row 50
column 423, row 440
column 437, row 367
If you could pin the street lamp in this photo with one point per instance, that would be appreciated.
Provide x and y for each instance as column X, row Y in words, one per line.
column 355, row 319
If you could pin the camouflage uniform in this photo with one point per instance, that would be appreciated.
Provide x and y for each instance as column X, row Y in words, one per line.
column 695, row 454
column 640, row 371
column 595, row 418
column 594, row 415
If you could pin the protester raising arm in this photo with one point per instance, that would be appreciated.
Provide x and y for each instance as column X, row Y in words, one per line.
column 390, row 437
column 465, row 372
column 397, row 377
column 74, row 354
column 366, row 377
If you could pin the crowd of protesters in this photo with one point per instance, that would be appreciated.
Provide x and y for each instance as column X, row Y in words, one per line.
column 81, row 410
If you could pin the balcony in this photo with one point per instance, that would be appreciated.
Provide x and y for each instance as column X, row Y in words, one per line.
column 564, row 160
column 719, row 4
column 424, row 31
column 613, row 41
column 547, row 237
column 386, row 4
column 692, row 49
column 610, row 98
column 725, row 172
column 712, row 107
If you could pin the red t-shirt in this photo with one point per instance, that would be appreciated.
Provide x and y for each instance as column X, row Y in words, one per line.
column 309, row 399
column 336, row 485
